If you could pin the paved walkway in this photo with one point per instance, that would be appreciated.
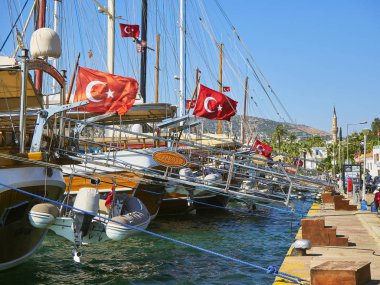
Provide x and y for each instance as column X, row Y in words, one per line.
column 363, row 231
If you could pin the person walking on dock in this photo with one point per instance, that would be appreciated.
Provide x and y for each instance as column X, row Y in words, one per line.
column 349, row 187
column 376, row 199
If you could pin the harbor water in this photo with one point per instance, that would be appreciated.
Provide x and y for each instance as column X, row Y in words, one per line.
column 261, row 239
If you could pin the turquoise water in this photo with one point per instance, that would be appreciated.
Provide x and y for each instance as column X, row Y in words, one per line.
column 144, row 259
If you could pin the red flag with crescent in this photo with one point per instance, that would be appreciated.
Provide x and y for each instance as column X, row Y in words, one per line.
column 214, row 105
column 298, row 162
column 190, row 104
column 106, row 92
column 261, row 148
column 129, row 31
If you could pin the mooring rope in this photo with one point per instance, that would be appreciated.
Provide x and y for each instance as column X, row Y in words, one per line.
column 269, row 270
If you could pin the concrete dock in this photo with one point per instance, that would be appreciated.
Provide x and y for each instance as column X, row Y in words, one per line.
column 363, row 231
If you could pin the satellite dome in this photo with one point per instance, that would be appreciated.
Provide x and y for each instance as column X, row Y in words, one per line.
column 45, row 43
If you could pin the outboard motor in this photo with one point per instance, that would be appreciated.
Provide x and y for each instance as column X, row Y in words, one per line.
column 87, row 200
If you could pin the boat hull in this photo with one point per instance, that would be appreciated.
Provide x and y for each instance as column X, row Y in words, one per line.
column 18, row 238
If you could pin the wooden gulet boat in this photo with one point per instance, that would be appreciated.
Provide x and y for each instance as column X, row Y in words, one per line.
column 24, row 161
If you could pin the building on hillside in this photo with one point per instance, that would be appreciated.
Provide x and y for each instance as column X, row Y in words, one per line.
column 317, row 155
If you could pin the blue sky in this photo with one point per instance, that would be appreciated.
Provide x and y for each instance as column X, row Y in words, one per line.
column 315, row 54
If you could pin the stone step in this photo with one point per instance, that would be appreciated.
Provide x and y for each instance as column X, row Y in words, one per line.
column 343, row 204
column 314, row 229
column 327, row 198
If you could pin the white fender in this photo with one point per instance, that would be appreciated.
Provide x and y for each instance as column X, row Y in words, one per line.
column 43, row 215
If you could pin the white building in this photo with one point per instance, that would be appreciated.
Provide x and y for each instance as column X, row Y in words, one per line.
column 374, row 168
column 372, row 161
column 317, row 154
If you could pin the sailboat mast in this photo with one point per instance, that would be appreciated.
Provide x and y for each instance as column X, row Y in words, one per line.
column 144, row 22
column 220, row 81
column 41, row 24
column 158, row 37
column 24, row 80
column 182, row 64
column 57, row 4
column 243, row 120
column 111, row 36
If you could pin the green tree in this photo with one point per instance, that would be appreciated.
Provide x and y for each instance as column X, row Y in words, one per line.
column 375, row 125
column 279, row 133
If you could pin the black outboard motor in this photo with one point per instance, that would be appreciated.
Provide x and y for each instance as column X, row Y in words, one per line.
column 85, row 206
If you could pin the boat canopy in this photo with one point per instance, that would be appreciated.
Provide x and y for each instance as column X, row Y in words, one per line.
column 10, row 90
column 141, row 113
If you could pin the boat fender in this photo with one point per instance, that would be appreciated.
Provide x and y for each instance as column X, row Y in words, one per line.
column 186, row 174
column 114, row 229
column 43, row 215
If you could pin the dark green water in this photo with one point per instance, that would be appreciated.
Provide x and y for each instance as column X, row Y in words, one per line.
column 144, row 259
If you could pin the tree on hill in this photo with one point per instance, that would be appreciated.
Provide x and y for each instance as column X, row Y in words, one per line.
column 279, row 133
column 375, row 125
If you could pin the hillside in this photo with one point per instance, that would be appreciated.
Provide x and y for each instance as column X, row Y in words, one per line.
column 266, row 127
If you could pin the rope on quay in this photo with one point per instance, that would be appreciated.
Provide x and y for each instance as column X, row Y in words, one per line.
column 269, row 270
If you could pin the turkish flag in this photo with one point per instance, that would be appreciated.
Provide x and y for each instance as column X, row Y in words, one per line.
column 214, row 105
column 261, row 148
column 298, row 162
column 226, row 89
column 130, row 31
column 190, row 104
column 106, row 92
column 109, row 199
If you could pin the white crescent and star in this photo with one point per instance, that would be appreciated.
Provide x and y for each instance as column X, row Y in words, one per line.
column 128, row 30
column 89, row 89
column 205, row 104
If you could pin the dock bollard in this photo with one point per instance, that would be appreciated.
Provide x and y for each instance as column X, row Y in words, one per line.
column 300, row 246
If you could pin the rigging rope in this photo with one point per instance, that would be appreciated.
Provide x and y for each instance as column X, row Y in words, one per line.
column 251, row 57
column 10, row 32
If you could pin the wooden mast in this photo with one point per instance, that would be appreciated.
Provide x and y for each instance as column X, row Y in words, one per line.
column 220, row 81
column 144, row 21
column 41, row 24
column 195, row 93
column 243, row 120
column 157, row 64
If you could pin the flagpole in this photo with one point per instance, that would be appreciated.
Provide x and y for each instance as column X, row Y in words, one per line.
column 111, row 36
column 220, row 81
column 182, row 64
column 72, row 80
column 197, row 79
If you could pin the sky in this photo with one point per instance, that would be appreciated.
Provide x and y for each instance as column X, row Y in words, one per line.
column 314, row 54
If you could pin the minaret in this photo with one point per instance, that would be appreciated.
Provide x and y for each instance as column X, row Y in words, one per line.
column 334, row 129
